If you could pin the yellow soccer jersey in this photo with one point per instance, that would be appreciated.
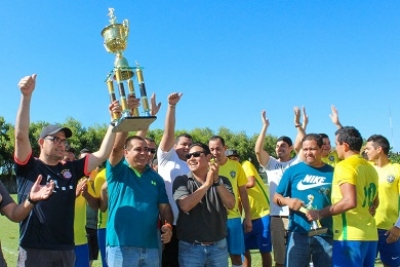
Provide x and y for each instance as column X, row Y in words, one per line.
column 98, row 183
column 389, row 188
column 80, row 221
column 355, row 224
column 332, row 158
column 258, row 195
column 233, row 171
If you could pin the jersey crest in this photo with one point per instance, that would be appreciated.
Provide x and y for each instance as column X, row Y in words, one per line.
column 390, row 179
column 66, row 174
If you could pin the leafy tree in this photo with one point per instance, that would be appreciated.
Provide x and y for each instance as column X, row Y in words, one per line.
column 6, row 148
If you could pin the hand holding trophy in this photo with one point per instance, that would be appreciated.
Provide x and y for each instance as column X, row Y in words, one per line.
column 115, row 41
column 316, row 228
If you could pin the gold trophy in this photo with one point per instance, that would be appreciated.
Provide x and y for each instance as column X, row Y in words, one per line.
column 115, row 41
column 316, row 227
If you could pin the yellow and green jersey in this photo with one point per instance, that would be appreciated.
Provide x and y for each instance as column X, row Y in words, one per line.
column 332, row 159
column 99, row 180
column 233, row 171
column 387, row 212
column 355, row 224
column 259, row 194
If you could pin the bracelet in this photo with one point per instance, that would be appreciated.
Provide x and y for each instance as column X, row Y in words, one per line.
column 297, row 125
column 171, row 105
column 30, row 200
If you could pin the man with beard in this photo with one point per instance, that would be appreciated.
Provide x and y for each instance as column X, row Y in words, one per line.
column 172, row 163
column 275, row 169
column 47, row 234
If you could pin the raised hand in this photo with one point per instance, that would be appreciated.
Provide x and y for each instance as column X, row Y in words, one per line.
column 133, row 102
column 305, row 118
column 41, row 192
column 154, row 106
column 297, row 114
column 335, row 116
column 264, row 118
column 174, row 98
column 27, row 84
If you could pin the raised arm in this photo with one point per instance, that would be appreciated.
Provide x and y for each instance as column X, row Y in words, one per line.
column 23, row 146
column 299, row 126
column 262, row 155
column 168, row 138
column 335, row 117
column 109, row 140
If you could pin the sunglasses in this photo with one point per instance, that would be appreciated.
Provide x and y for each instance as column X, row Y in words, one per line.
column 195, row 154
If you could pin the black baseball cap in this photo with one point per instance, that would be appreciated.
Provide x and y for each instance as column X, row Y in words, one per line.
column 85, row 150
column 53, row 129
column 231, row 152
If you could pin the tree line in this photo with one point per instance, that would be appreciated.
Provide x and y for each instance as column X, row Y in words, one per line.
column 91, row 137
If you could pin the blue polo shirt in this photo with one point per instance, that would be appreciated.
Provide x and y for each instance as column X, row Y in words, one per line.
column 133, row 205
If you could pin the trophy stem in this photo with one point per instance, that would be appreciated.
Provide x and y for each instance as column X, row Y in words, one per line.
column 121, row 91
column 111, row 92
column 142, row 88
column 135, row 111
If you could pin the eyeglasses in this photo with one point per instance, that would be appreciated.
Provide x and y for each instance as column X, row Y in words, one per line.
column 195, row 154
column 56, row 140
column 152, row 150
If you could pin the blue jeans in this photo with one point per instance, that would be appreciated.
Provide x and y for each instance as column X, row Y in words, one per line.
column 101, row 239
column 197, row 255
column 300, row 247
column 126, row 256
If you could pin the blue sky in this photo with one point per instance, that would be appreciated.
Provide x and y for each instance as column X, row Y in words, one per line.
column 230, row 59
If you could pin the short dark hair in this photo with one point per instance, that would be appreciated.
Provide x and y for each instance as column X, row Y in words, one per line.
column 183, row 135
column 205, row 148
column 324, row 135
column 316, row 137
column 128, row 145
column 351, row 136
column 285, row 139
column 380, row 140
column 217, row 137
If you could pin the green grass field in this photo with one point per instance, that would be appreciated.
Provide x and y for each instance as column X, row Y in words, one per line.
column 9, row 242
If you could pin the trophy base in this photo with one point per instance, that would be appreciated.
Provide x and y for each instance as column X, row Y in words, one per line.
column 128, row 124
column 318, row 231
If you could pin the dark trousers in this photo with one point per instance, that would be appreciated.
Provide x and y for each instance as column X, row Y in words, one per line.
column 170, row 252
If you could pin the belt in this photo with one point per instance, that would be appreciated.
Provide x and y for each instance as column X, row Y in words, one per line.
column 279, row 216
column 205, row 244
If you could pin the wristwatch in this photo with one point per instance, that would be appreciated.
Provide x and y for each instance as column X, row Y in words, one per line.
column 30, row 200
column 218, row 183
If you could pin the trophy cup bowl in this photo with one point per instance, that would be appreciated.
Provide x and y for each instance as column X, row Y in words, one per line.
column 115, row 37
column 115, row 41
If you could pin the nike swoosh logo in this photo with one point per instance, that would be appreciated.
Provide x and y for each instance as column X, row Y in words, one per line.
column 301, row 186
column 395, row 258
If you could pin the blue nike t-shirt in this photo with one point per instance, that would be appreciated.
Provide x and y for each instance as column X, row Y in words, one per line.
column 312, row 186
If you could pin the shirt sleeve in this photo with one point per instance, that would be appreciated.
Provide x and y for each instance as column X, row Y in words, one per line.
column 241, row 176
column 344, row 174
column 180, row 188
column 283, row 186
column 5, row 195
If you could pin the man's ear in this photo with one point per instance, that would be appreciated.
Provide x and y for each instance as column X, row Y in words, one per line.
column 41, row 142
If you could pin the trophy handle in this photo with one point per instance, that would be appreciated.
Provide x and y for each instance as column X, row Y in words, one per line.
column 125, row 23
